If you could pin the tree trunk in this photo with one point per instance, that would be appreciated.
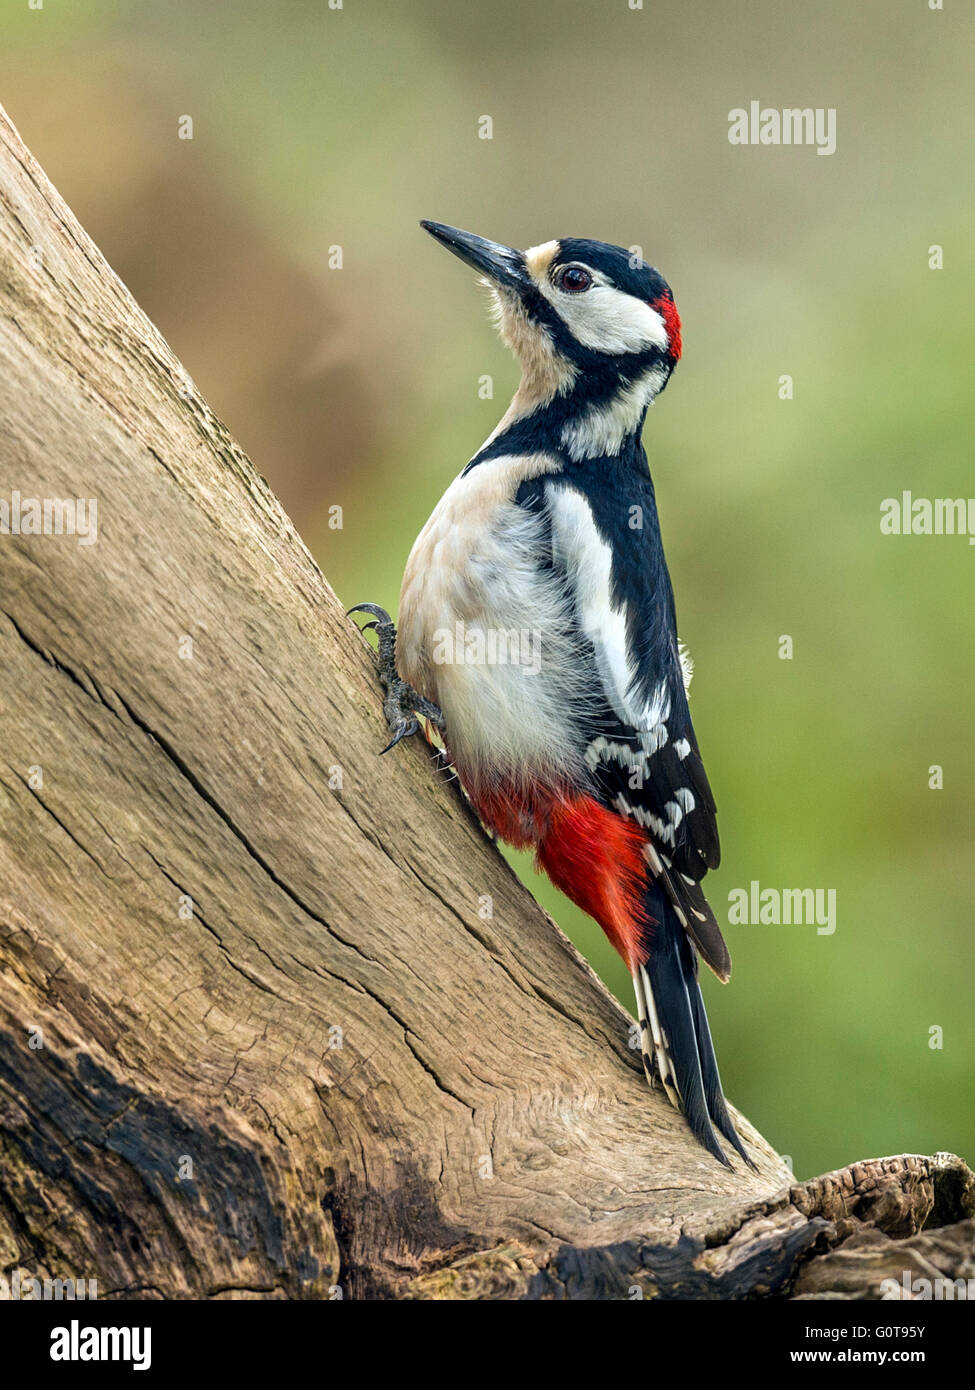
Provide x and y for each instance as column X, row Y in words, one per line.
column 275, row 1017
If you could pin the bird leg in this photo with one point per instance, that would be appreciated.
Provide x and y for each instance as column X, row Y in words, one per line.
column 402, row 703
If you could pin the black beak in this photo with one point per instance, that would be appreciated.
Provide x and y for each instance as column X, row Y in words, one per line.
column 502, row 264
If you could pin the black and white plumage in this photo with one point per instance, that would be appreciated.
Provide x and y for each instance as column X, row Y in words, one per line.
column 642, row 750
column 552, row 528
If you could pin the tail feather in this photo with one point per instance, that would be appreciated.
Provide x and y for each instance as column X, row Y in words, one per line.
column 674, row 1027
column 717, row 1105
column 657, row 1061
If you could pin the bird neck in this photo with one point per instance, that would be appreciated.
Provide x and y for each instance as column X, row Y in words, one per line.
column 580, row 417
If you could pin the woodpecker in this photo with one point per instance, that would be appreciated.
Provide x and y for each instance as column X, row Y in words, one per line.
column 586, row 755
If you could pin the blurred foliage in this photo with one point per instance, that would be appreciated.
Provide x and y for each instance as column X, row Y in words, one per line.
column 358, row 387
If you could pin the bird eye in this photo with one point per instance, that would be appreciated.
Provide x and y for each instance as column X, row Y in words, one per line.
column 572, row 278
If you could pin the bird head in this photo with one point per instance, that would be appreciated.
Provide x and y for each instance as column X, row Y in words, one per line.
column 583, row 317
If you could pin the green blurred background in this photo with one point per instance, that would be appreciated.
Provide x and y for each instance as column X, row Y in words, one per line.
column 358, row 387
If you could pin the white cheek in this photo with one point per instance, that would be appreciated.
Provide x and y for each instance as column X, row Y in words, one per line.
column 607, row 320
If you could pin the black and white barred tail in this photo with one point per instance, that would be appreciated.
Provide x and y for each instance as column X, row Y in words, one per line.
column 674, row 1035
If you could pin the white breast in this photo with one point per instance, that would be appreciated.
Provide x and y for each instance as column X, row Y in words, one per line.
column 484, row 628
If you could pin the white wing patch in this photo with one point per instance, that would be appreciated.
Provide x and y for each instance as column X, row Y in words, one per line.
column 586, row 558
column 581, row 553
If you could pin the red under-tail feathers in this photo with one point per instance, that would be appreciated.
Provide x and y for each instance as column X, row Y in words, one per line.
column 591, row 853
column 597, row 858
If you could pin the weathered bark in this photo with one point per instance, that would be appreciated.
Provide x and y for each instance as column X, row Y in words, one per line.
column 284, row 1051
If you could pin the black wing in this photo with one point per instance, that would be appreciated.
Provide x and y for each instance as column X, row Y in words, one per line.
column 640, row 745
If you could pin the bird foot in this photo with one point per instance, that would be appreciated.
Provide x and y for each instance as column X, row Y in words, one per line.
column 402, row 703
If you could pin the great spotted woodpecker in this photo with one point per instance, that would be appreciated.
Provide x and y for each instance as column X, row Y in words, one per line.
column 587, row 755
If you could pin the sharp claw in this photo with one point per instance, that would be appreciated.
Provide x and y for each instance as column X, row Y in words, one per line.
column 372, row 608
column 404, row 731
column 402, row 702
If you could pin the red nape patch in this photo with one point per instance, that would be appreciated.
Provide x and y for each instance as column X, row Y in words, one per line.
column 667, row 310
column 596, row 858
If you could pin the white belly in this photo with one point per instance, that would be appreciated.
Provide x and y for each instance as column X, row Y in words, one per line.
column 484, row 630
